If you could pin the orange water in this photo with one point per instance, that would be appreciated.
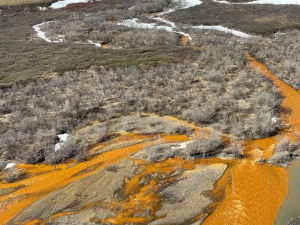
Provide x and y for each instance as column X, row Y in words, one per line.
column 252, row 192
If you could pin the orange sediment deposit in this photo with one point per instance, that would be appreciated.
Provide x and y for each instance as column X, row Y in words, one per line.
column 140, row 199
column 184, row 40
column 253, row 193
column 39, row 186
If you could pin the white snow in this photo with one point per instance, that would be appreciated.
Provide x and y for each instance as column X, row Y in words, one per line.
column 185, row 34
column 10, row 165
column 64, row 3
column 184, row 5
column 182, row 145
column 164, row 21
column 223, row 29
column 189, row 3
column 93, row 43
column 41, row 34
column 62, row 139
column 272, row 2
column 42, row 8
column 276, row 2
column 134, row 24
column 274, row 119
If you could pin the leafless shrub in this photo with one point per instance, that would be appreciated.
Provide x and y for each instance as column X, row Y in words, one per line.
column 113, row 168
column 285, row 144
column 205, row 147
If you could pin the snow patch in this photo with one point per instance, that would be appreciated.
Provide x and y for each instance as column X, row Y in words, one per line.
column 62, row 139
column 189, row 3
column 184, row 5
column 185, row 34
column 182, row 145
column 42, row 8
column 223, row 29
column 41, row 34
column 64, row 3
column 274, row 119
column 10, row 165
column 134, row 24
column 93, row 43
column 164, row 21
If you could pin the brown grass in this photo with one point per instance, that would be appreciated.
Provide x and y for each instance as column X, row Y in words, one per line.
column 20, row 2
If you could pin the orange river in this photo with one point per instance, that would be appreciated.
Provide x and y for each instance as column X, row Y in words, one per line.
column 249, row 192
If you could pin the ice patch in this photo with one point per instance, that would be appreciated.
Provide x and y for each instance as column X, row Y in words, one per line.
column 223, row 29
column 10, row 165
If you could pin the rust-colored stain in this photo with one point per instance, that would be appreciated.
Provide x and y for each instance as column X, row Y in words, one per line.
column 184, row 40
column 39, row 186
column 249, row 192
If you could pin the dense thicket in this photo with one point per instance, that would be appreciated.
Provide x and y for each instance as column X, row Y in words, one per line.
column 211, row 88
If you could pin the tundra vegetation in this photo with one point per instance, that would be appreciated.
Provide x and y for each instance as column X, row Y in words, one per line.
column 145, row 71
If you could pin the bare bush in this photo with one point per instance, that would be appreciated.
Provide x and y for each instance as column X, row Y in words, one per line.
column 205, row 147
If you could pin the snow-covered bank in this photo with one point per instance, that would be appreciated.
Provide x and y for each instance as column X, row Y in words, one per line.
column 223, row 29
column 64, row 3
column 272, row 2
